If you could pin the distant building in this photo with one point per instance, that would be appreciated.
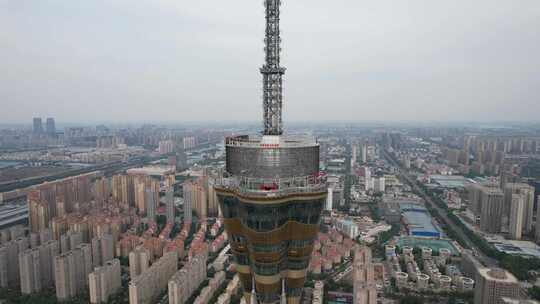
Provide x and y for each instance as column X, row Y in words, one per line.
column 142, row 185
column 37, row 126
column 150, row 206
column 123, row 190
column 329, row 200
column 493, row 285
column 50, row 126
column 189, row 143
column 348, row 227
column 171, row 208
column 515, row 226
column 101, row 191
column 537, row 230
column 166, row 147
column 527, row 193
column 492, row 210
column 364, row 153
column 380, row 185
column 195, row 196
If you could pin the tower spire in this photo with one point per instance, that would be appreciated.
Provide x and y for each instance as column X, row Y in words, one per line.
column 272, row 71
column 283, row 293
column 253, row 292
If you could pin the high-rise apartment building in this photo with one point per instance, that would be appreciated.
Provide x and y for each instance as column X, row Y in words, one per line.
column 475, row 201
column 47, row 252
column 139, row 261
column 70, row 241
column 213, row 202
column 9, row 262
column 272, row 193
column 189, row 142
column 196, row 196
column 494, row 284
column 123, row 190
column 101, row 191
column 527, row 192
column 38, row 210
column 37, row 125
column 104, row 281
column 169, row 205
column 537, row 230
column 186, row 281
column 142, row 184
column 365, row 291
column 492, row 210
column 36, row 267
column 144, row 289
column 150, row 206
column 71, row 271
column 515, row 225
column 4, row 272
column 102, row 250
column 166, row 147
column 187, row 206
column 50, row 126
column 29, row 269
column 379, row 184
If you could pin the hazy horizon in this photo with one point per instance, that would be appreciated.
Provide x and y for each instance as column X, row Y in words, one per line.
column 178, row 61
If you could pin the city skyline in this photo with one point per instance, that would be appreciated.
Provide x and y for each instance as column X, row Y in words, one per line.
column 375, row 61
column 381, row 152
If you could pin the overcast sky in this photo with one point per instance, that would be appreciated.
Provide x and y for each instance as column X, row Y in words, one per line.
column 198, row 60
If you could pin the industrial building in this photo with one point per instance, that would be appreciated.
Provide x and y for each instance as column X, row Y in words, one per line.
column 418, row 222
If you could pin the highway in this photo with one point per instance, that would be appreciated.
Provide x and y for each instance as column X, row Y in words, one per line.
column 442, row 216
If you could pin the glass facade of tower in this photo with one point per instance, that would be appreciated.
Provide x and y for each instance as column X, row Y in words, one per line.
column 272, row 216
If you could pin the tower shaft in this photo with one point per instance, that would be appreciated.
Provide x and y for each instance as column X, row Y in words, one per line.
column 272, row 72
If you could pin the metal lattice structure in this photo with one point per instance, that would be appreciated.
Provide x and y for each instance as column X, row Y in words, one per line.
column 272, row 72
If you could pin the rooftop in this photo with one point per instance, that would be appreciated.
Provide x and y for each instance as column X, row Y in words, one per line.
column 270, row 141
column 435, row 244
column 523, row 248
column 152, row 170
column 496, row 274
column 449, row 181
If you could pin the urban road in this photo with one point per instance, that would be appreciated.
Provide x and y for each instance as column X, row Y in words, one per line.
column 442, row 215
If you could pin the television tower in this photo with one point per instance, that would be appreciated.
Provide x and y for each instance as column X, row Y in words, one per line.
column 272, row 193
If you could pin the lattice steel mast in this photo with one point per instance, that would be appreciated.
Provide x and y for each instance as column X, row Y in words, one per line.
column 272, row 72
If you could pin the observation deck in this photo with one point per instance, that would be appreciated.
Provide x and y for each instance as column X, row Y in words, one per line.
column 272, row 187
column 272, row 157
